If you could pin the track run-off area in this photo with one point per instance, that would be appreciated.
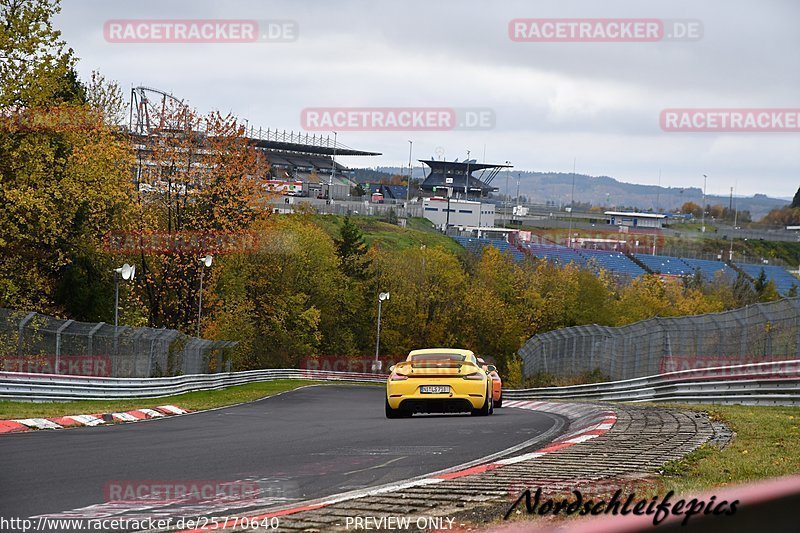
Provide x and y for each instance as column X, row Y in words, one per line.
column 296, row 446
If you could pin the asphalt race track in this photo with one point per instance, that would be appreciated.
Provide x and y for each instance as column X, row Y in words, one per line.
column 303, row 444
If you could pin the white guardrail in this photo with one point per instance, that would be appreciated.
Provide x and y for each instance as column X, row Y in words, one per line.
column 51, row 387
column 772, row 383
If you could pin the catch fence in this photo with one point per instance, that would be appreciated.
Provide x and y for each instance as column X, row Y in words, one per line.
column 34, row 343
column 753, row 334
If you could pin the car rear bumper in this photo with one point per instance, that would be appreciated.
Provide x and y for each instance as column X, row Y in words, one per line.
column 438, row 405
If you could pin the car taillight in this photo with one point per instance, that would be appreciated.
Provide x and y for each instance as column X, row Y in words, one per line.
column 398, row 377
column 478, row 376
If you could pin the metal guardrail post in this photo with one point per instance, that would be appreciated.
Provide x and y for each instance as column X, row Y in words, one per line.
column 20, row 327
column 90, row 340
column 61, row 328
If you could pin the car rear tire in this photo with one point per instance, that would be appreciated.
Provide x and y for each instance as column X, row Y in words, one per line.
column 488, row 406
column 392, row 413
column 499, row 403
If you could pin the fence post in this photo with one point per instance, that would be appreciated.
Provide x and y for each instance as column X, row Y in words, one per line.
column 90, row 341
column 61, row 328
column 21, row 326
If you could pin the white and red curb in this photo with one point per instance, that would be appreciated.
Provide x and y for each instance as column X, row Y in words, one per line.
column 586, row 423
column 61, row 422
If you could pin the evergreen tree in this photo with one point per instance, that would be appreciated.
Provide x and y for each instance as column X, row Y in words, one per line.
column 760, row 283
column 351, row 249
column 796, row 200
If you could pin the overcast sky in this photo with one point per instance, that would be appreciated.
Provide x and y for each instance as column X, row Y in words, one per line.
column 598, row 103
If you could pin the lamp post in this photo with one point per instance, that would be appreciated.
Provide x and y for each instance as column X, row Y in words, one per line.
column 333, row 170
column 204, row 262
column 410, row 174
column 703, row 226
column 126, row 272
column 376, row 365
column 508, row 172
column 735, row 221
column 571, row 203
column 466, row 179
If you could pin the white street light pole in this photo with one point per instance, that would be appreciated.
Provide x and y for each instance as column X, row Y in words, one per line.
column 508, row 171
column 205, row 262
column 126, row 272
column 466, row 179
column 333, row 170
column 376, row 365
column 705, row 182
column 572, row 203
column 410, row 173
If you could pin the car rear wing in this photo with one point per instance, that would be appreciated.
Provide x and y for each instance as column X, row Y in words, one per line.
column 434, row 365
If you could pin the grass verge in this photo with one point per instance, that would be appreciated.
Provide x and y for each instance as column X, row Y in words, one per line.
column 766, row 445
column 193, row 401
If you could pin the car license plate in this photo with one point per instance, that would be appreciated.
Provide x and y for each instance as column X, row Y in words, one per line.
column 434, row 389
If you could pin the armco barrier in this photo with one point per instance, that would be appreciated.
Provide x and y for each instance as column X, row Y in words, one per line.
column 772, row 383
column 50, row 387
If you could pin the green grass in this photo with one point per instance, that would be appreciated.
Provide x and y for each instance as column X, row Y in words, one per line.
column 767, row 444
column 692, row 226
column 420, row 231
column 193, row 401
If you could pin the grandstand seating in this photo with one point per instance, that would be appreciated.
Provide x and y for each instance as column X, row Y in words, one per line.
column 476, row 246
column 782, row 279
column 662, row 264
column 619, row 264
column 709, row 269
column 560, row 255
column 615, row 262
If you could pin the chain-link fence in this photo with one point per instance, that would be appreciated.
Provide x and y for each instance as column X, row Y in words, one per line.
column 762, row 332
column 30, row 342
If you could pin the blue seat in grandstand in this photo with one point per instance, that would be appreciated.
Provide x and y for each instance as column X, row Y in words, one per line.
column 709, row 269
column 782, row 279
column 560, row 255
column 614, row 262
column 662, row 264
column 476, row 246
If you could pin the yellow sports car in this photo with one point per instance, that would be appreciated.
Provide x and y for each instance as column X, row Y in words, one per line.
column 438, row 380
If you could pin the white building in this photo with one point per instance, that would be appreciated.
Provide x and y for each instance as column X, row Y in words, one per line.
column 636, row 220
column 461, row 212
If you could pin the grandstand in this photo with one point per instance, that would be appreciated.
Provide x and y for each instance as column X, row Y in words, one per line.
column 782, row 279
column 559, row 255
column 710, row 269
column 615, row 262
column 662, row 264
column 310, row 159
column 476, row 246
column 622, row 265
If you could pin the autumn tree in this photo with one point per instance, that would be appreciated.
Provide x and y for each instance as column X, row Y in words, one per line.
column 691, row 208
column 64, row 173
column 207, row 179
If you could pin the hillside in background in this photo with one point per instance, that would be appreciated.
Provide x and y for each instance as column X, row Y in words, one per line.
column 556, row 188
